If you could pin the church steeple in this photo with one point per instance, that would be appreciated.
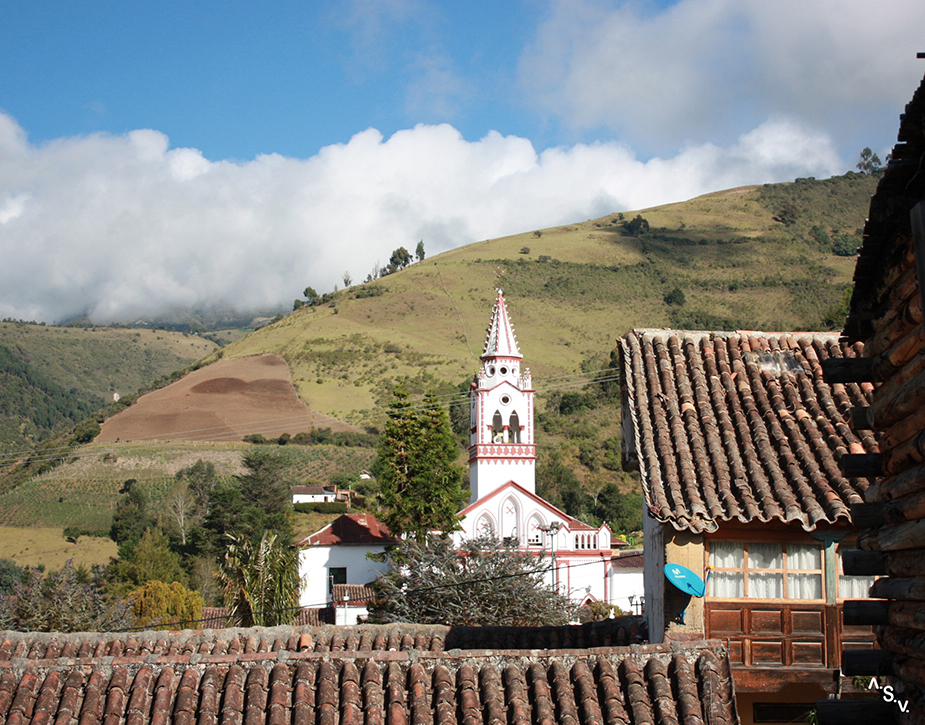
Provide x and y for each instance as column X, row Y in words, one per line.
column 501, row 340
column 501, row 412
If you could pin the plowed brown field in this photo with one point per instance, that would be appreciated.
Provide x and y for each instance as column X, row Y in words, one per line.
column 223, row 401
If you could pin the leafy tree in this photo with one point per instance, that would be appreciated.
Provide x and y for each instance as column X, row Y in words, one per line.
column 419, row 251
column 821, row 236
column 157, row 605
column 484, row 583
column 845, row 245
column 416, row 469
column 400, row 258
column 261, row 581
column 311, row 296
column 10, row 574
column 869, row 162
column 130, row 520
column 60, row 602
column 152, row 559
column 265, row 493
column 639, row 225
column 202, row 480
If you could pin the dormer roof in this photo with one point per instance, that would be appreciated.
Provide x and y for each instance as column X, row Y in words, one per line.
column 501, row 340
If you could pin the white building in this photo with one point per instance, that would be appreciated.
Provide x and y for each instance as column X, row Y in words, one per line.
column 313, row 494
column 502, row 474
column 335, row 556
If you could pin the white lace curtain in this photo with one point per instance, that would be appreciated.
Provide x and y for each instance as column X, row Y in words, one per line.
column 765, row 566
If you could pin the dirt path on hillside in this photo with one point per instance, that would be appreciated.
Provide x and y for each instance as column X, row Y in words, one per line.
column 223, row 401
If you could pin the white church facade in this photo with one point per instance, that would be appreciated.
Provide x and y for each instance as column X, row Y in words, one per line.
column 502, row 474
column 503, row 503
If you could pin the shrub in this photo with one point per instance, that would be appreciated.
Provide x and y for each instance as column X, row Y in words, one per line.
column 676, row 297
column 321, row 507
column 845, row 245
column 157, row 605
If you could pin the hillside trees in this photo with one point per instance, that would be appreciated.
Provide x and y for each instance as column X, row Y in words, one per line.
column 400, row 258
column 61, row 602
column 869, row 163
column 484, row 583
column 419, row 251
column 421, row 484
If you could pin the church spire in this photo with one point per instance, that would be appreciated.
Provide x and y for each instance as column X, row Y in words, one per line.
column 501, row 340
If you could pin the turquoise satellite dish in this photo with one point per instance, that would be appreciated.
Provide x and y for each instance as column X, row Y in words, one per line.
column 685, row 580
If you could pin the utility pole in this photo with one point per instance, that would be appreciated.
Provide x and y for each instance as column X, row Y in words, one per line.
column 553, row 530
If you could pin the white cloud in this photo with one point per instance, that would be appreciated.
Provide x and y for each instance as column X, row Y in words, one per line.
column 699, row 69
column 122, row 226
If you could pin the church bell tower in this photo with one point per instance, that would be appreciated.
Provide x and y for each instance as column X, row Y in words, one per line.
column 501, row 446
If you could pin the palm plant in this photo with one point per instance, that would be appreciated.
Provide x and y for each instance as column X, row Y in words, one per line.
column 261, row 581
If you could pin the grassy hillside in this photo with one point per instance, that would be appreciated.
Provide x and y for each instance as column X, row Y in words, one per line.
column 747, row 258
column 572, row 290
column 54, row 376
column 84, row 491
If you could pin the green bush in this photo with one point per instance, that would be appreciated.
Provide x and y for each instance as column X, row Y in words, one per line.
column 321, row 507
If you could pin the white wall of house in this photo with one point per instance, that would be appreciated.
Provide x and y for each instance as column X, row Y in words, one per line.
column 313, row 497
column 627, row 586
column 315, row 563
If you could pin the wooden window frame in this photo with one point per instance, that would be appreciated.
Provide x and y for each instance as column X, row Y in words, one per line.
column 784, row 571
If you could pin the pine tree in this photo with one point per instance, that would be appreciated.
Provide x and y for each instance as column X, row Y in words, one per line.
column 420, row 482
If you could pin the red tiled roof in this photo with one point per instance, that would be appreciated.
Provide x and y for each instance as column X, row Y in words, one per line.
column 354, row 593
column 351, row 529
column 311, row 490
column 217, row 617
column 740, row 426
column 627, row 562
column 361, row 638
column 606, row 686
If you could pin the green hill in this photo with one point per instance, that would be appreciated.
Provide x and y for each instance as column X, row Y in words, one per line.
column 748, row 258
column 52, row 377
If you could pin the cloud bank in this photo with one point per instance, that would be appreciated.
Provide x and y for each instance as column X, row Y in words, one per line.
column 119, row 227
column 700, row 70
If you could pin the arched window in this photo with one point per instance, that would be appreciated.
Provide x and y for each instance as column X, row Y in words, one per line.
column 484, row 526
column 534, row 532
column 510, row 516
column 515, row 428
column 497, row 428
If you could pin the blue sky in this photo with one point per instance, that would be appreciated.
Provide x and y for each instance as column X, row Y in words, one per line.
column 168, row 154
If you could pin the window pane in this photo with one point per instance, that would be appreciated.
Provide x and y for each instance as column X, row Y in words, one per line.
column 765, row 586
column 804, row 586
column 727, row 584
column 726, row 554
column 804, row 556
column 765, row 556
column 855, row 587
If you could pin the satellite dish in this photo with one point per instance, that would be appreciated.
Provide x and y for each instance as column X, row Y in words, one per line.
column 685, row 580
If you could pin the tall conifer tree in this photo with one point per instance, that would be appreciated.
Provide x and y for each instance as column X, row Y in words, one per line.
column 421, row 484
